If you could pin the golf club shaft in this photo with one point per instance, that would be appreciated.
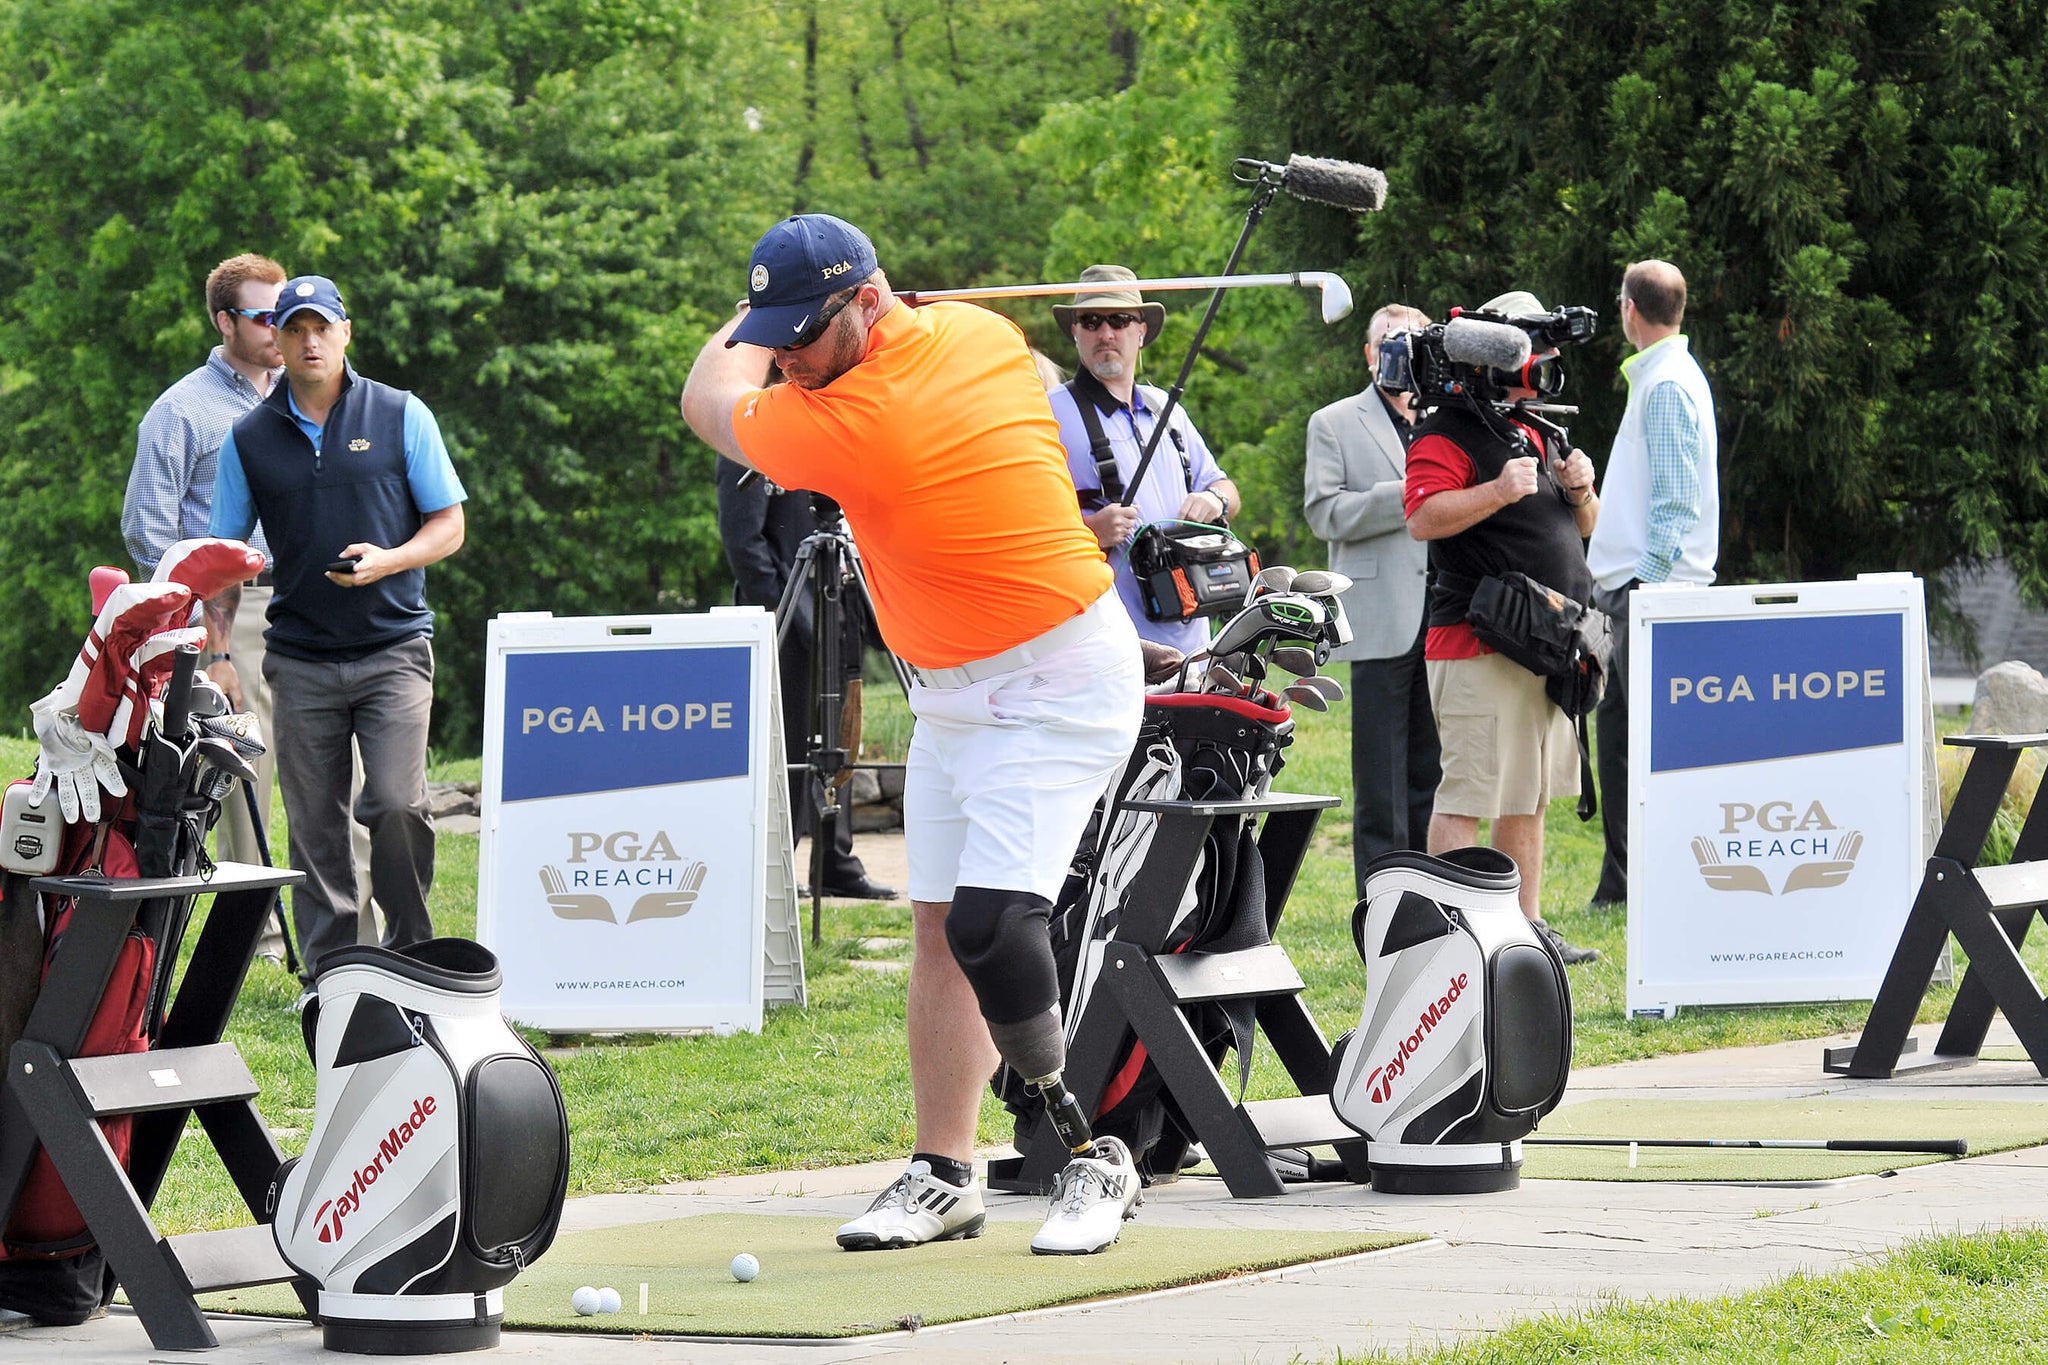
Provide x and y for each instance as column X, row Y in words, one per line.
column 1926, row 1146
column 1301, row 279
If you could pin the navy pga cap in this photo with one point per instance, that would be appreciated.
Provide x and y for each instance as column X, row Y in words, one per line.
column 798, row 264
column 316, row 292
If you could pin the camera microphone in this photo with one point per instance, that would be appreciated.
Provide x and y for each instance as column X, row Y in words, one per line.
column 1486, row 345
column 1319, row 180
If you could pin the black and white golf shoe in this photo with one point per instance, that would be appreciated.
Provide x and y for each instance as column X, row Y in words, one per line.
column 1091, row 1198
column 919, row 1207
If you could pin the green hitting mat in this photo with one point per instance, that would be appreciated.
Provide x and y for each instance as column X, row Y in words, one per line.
column 1987, row 1125
column 809, row 1288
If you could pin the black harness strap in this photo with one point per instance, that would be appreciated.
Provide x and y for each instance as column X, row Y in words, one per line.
column 1110, row 484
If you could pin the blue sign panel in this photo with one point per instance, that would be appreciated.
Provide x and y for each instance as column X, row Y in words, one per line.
column 605, row 720
column 1739, row 691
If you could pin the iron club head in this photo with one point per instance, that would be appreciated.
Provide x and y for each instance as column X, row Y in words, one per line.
column 1296, row 660
column 1305, row 696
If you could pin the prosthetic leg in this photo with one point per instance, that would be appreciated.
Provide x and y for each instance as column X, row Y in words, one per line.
column 1000, row 940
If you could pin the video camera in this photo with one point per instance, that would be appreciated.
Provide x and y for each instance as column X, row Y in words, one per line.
column 1477, row 356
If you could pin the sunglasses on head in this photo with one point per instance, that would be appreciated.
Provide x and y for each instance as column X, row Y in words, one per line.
column 262, row 317
column 819, row 323
column 1116, row 322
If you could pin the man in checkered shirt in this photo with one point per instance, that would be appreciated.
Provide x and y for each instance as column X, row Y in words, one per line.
column 1662, row 517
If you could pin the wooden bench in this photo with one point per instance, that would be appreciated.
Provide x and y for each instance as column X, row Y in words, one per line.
column 50, row 1097
column 1988, row 909
column 1145, row 992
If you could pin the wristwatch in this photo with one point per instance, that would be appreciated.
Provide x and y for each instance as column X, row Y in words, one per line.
column 220, row 658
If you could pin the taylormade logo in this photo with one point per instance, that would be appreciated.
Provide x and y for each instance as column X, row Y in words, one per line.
column 388, row 1149
column 1381, row 1081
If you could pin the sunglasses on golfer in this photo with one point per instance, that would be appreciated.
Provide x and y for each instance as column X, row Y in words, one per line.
column 1116, row 322
column 262, row 317
column 820, row 323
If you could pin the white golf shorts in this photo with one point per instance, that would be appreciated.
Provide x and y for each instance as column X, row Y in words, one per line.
column 1003, row 772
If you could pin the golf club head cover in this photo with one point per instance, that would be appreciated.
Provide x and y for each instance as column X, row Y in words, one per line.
column 208, row 564
column 439, row 1155
column 1465, row 1039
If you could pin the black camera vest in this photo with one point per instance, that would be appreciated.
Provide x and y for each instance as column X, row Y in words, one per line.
column 1536, row 535
column 313, row 503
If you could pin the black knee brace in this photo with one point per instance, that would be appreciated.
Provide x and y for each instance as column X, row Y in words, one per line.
column 1004, row 949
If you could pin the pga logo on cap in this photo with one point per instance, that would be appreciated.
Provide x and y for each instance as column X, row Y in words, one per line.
column 759, row 279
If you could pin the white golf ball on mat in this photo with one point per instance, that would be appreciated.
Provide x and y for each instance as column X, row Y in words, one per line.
column 608, row 1300
column 585, row 1300
column 745, row 1267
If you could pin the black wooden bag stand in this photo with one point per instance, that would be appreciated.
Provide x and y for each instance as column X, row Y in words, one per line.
column 1143, row 990
column 51, row 1096
column 1988, row 909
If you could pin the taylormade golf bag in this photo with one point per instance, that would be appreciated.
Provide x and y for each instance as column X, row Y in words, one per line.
column 439, row 1156
column 1466, row 1036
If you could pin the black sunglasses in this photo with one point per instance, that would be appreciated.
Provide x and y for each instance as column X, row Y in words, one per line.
column 262, row 317
column 820, row 323
column 1116, row 322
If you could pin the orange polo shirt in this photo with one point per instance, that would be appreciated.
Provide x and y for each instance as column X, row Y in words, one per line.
column 942, row 450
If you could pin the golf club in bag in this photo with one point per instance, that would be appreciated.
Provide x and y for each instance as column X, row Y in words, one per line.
column 439, row 1156
column 1465, row 1040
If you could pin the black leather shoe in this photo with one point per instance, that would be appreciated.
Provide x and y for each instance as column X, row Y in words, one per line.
column 864, row 889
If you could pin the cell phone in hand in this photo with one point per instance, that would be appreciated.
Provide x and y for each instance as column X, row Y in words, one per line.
column 341, row 566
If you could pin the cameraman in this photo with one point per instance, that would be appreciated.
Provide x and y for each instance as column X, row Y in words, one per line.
column 1106, row 417
column 1490, row 494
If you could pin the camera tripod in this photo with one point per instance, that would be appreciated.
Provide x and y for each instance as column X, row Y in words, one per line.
column 827, row 575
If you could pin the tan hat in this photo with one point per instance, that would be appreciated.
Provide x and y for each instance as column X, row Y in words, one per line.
column 1110, row 301
column 1516, row 303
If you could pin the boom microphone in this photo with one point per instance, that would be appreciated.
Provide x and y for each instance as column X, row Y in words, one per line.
column 1487, row 345
column 1340, row 184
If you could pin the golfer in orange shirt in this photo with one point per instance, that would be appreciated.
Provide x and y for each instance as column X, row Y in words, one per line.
column 931, row 429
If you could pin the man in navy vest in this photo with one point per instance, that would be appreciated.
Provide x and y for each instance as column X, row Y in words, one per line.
column 357, row 496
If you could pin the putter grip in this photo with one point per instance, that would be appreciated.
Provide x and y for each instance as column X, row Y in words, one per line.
column 1937, row 1146
column 178, row 696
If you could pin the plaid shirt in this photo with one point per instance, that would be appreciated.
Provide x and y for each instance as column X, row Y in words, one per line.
column 1671, row 429
column 177, row 450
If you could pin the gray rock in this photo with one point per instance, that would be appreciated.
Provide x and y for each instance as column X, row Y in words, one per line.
column 2011, row 699
column 864, row 789
column 892, row 783
column 453, row 798
column 873, row 819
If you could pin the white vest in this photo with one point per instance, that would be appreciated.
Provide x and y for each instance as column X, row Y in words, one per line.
column 1623, row 531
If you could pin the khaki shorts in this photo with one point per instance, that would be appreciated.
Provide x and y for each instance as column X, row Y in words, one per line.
column 1507, row 749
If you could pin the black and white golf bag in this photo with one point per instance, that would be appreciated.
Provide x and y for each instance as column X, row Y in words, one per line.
column 439, row 1156
column 1191, row 746
column 1466, row 1036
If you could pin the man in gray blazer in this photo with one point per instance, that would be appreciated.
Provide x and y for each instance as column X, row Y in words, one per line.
column 1352, row 487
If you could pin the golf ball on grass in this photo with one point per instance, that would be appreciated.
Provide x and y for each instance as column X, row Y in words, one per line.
column 608, row 1300
column 745, row 1267
column 586, row 1301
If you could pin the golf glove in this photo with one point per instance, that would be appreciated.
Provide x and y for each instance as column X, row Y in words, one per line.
column 76, row 762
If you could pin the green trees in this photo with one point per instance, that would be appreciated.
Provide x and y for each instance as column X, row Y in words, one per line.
column 1856, row 195
column 536, row 212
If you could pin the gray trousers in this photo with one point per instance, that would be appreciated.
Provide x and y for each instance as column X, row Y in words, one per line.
column 380, row 706
column 234, row 836
column 1610, row 730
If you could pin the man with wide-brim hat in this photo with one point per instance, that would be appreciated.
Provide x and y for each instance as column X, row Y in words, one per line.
column 1106, row 419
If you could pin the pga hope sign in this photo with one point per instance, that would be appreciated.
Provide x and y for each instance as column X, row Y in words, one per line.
column 626, row 787
column 1775, row 763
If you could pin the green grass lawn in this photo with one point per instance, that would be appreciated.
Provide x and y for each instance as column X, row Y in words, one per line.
column 1935, row 1301
column 830, row 1084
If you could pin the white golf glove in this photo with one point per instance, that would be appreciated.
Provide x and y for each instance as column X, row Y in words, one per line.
column 76, row 762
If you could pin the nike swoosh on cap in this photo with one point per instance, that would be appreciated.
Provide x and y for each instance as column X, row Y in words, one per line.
column 798, row 330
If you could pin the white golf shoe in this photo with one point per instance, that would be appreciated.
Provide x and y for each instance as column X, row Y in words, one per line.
column 919, row 1207
column 1091, row 1198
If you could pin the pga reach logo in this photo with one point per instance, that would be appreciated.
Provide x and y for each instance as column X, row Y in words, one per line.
column 649, row 878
